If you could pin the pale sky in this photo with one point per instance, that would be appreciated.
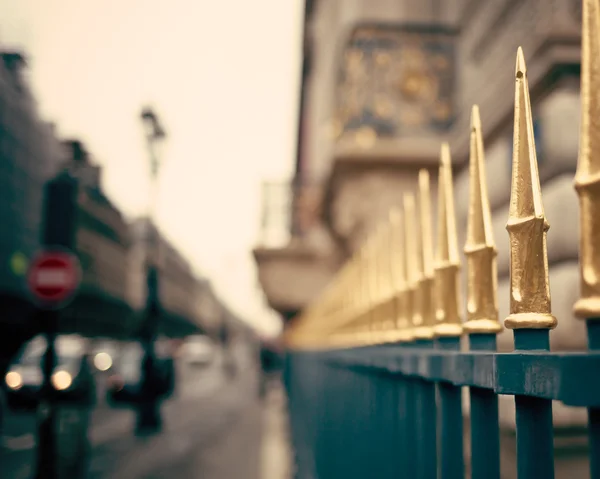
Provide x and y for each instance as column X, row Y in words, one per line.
column 223, row 77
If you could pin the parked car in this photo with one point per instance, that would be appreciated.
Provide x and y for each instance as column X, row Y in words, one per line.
column 73, row 386
column 72, row 379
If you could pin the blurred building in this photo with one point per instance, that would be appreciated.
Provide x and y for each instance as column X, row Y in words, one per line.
column 384, row 82
column 111, row 299
column 101, row 306
column 29, row 155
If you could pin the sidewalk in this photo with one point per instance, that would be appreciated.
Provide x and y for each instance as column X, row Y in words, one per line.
column 275, row 453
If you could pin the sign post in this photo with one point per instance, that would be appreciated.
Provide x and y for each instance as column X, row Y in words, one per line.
column 53, row 279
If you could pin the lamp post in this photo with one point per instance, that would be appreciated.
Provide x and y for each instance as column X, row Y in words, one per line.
column 155, row 134
column 149, row 412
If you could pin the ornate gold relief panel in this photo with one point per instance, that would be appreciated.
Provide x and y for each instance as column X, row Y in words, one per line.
column 396, row 81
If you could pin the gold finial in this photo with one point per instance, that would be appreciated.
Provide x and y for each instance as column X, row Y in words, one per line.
column 375, row 285
column 388, row 293
column 367, row 323
column 587, row 178
column 403, row 294
column 425, row 284
column 411, row 258
column 354, row 290
column 480, row 249
column 379, row 279
column 447, row 268
column 527, row 225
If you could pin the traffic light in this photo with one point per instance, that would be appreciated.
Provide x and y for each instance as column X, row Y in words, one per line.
column 60, row 212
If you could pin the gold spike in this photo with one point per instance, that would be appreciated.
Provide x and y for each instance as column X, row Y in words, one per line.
column 363, row 325
column 389, row 293
column 527, row 225
column 362, row 296
column 370, row 319
column 412, row 307
column 376, row 285
column 447, row 268
column 480, row 249
column 383, row 264
column 587, row 178
column 403, row 308
column 425, row 282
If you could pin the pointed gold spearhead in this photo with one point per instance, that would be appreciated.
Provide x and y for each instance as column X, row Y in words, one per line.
column 411, row 263
column 426, row 278
column 381, row 270
column 370, row 266
column 480, row 249
column 389, row 288
column 527, row 225
column 403, row 295
column 358, row 325
column 587, row 178
column 447, row 267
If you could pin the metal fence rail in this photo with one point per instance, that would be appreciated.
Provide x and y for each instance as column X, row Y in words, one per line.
column 375, row 371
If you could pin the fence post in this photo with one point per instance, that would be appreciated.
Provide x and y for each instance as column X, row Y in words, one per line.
column 587, row 186
column 449, row 325
column 482, row 323
column 425, row 400
column 59, row 229
column 530, row 312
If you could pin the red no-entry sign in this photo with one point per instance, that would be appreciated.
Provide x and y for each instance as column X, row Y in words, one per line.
column 54, row 276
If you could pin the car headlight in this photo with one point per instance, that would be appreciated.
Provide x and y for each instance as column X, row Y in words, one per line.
column 13, row 380
column 103, row 361
column 61, row 380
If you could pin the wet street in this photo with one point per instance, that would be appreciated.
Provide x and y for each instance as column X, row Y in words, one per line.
column 212, row 429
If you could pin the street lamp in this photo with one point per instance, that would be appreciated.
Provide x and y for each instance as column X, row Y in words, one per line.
column 149, row 412
column 155, row 135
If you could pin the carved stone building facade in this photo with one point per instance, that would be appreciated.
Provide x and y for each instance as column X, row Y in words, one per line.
column 386, row 83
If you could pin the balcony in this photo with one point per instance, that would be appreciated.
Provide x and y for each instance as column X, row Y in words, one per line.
column 295, row 255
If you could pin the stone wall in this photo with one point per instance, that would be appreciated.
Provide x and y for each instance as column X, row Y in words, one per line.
column 491, row 32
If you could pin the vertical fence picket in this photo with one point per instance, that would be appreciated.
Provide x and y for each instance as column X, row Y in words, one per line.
column 412, row 426
column 402, row 424
column 587, row 187
column 451, row 424
column 482, row 323
column 485, row 428
column 448, row 328
column 530, row 308
column 426, row 424
column 325, row 394
column 535, row 445
column 593, row 331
